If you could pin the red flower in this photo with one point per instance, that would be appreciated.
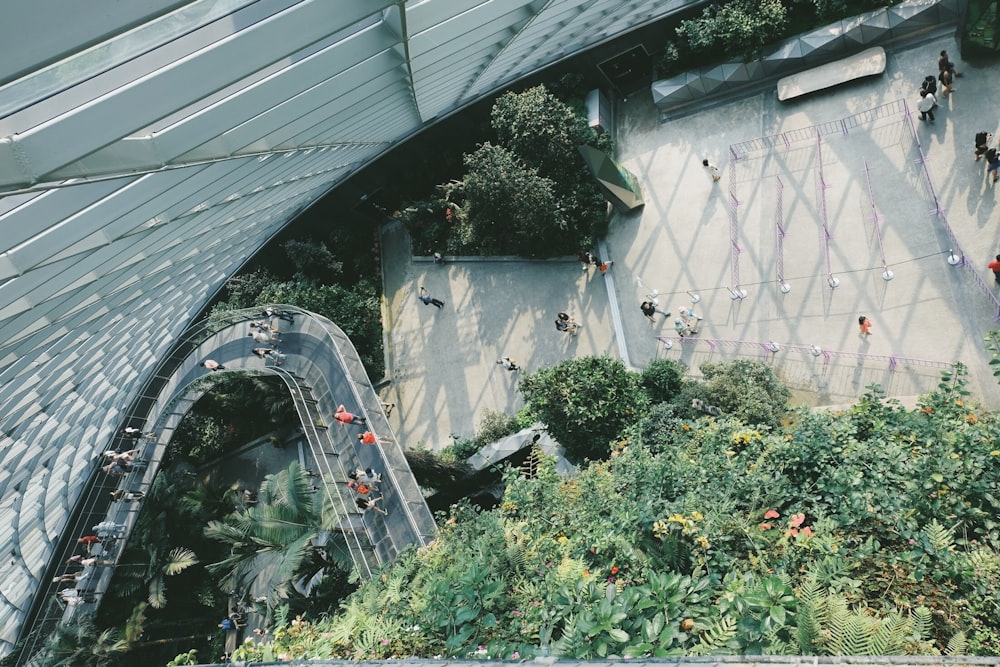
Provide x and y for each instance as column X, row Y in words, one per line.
column 807, row 531
column 797, row 520
column 771, row 514
column 614, row 569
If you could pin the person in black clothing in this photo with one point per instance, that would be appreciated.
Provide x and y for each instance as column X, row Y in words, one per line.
column 982, row 143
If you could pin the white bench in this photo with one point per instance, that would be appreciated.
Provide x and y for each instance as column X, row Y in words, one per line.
column 867, row 63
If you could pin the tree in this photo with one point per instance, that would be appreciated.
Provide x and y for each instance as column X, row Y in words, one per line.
column 546, row 133
column 739, row 28
column 585, row 403
column 662, row 379
column 273, row 542
column 354, row 310
column 151, row 554
column 508, row 207
column 747, row 389
column 78, row 643
column 312, row 260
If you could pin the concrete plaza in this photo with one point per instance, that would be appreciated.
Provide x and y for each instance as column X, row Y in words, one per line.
column 843, row 185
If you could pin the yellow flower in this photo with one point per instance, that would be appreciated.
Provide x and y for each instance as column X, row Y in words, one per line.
column 995, row 452
column 696, row 515
column 703, row 541
column 676, row 518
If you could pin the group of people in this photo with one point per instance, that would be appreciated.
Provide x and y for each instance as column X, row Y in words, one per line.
column 929, row 90
column 589, row 259
column 567, row 324
column 687, row 322
column 363, row 483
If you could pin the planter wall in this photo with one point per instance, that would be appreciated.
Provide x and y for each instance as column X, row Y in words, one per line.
column 819, row 46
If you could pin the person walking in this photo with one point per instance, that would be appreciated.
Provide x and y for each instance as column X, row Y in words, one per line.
column 690, row 318
column 428, row 300
column 992, row 163
column 926, row 105
column 365, row 504
column 89, row 541
column 566, row 324
column 118, row 469
column 345, row 417
column 586, row 258
column 271, row 313
column 994, row 266
column 264, row 337
column 945, row 64
column 864, row 325
column 712, row 170
column 946, row 78
column 119, row 495
column 367, row 438
column 983, row 139
column 135, row 433
column 929, row 84
column 509, row 364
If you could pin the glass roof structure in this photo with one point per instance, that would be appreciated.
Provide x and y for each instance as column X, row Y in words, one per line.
column 149, row 148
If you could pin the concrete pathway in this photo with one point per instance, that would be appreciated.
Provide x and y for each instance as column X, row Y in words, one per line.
column 441, row 362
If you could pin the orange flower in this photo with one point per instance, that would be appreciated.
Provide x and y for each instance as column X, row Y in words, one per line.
column 764, row 526
column 771, row 514
column 614, row 569
column 927, row 411
column 807, row 531
column 792, row 532
column 797, row 520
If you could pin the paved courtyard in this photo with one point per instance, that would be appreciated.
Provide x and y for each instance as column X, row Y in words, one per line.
column 821, row 203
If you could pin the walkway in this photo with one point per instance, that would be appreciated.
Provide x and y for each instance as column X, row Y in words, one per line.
column 322, row 370
column 441, row 362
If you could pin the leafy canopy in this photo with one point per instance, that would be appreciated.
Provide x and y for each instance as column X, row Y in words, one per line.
column 585, row 403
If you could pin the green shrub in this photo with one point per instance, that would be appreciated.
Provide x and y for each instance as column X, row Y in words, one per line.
column 662, row 379
column 585, row 403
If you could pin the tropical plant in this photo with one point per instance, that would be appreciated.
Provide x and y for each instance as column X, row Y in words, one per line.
column 275, row 542
column 78, row 643
column 747, row 389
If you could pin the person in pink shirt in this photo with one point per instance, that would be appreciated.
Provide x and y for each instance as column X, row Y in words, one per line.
column 345, row 417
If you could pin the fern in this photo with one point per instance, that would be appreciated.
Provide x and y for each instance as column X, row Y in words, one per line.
column 836, row 619
column 718, row 639
column 392, row 592
column 775, row 645
column 808, row 616
column 853, row 637
column 890, row 635
column 939, row 537
column 921, row 623
column 958, row 644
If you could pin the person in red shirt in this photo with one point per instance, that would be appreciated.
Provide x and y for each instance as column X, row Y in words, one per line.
column 367, row 438
column 89, row 541
column 345, row 417
column 864, row 325
column 994, row 266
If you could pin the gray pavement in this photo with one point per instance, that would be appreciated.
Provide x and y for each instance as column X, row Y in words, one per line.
column 441, row 363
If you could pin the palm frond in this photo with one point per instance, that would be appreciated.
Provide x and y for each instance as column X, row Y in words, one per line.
column 179, row 560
